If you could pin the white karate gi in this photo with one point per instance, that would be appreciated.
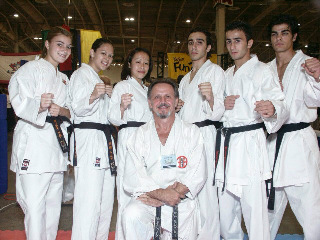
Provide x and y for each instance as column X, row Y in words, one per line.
column 143, row 173
column 94, row 185
column 197, row 109
column 36, row 156
column 247, row 164
column 296, row 174
column 137, row 111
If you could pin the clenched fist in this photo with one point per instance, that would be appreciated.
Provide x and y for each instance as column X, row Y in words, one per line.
column 229, row 101
column 99, row 89
column 45, row 101
column 265, row 108
column 312, row 67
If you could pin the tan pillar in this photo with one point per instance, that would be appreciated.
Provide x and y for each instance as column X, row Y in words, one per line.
column 220, row 29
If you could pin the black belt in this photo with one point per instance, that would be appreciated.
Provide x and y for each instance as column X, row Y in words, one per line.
column 208, row 122
column 107, row 130
column 227, row 133
column 56, row 122
column 157, row 223
column 284, row 129
column 131, row 124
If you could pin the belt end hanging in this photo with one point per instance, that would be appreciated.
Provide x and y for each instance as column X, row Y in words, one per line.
column 271, row 199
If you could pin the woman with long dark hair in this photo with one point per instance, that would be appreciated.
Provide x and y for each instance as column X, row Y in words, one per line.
column 94, row 163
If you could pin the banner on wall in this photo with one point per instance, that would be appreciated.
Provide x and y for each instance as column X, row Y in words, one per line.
column 11, row 62
column 87, row 37
column 180, row 64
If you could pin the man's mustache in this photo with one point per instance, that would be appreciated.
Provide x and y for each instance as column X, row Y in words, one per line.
column 163, row 105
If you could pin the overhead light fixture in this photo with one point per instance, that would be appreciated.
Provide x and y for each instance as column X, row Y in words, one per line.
column 126, row 19
column 299, row 24
column 132, row 19
column 16, row 15
column 36, row 38
column 188, row 21
column 178, row 41
column 267, row 44
column 306, row 46
column 132, row 40
column 69, row 17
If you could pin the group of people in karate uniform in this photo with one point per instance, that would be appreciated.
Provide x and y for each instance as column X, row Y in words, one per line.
column 193, row 158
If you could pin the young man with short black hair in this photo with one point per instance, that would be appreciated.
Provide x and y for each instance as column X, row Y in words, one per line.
column 254, row 100
column 294, row 151
column 201, row 94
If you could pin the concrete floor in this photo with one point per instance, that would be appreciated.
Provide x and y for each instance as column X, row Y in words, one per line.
column 11, row 218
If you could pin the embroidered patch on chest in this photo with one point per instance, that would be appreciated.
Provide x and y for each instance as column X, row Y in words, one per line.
column 97, row 163
column 64, row 81
column 25, row 164
column 182, row 162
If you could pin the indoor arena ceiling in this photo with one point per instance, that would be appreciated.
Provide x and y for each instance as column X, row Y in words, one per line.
column 158, row 25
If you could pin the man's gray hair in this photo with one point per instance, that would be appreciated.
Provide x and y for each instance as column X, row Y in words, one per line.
column 167, row 81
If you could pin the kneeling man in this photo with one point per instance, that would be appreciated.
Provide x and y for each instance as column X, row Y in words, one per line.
column 165, row 170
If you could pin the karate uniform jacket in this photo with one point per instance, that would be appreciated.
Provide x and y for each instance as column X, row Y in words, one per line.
column 91, row 144
column 35, row 146
column 137, row 111
column 197, row 109
column 299, row 150
column 247, row 156
column 144, row 172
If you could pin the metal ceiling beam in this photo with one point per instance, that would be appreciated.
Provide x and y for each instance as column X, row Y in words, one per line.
column 242, row 12
column 13, row 38
column 33, row 12
column 175, row 25
column 103, row 32
column 22, row 15
column 155, row 31
column 195, row 21
column 310, row 35
column 121, row 31
column 57, row 10
column 91, row 9
column 264, row 13
column 264, row 29
column 83, row 22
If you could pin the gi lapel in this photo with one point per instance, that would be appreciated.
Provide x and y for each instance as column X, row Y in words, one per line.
column 193, row 86
column 289, row 80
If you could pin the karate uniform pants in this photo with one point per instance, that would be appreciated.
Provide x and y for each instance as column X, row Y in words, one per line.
column 93, row 203
column 305, row 204
column 138, row 223
column 39, row 196
column 252, row 204
column 123, row 199
column 209, row 209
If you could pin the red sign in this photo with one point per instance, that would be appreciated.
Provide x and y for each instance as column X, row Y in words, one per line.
column 182, row 161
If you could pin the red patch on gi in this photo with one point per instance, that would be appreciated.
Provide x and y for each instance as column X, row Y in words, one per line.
column 25, row 164
column 182, row 162
column 97, row 164
column 64, row 82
